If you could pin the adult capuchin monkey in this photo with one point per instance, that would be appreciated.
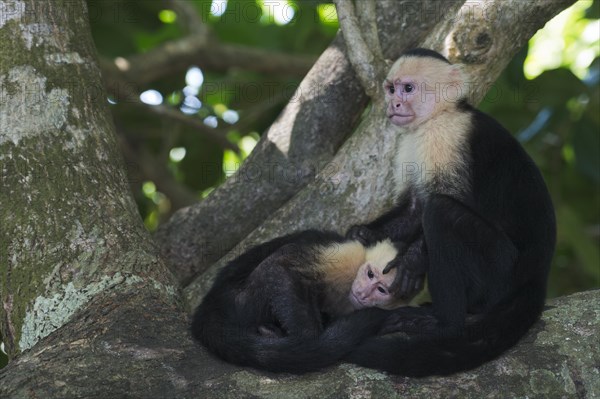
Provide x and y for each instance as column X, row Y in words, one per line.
column 286, row 305
column 473, row 214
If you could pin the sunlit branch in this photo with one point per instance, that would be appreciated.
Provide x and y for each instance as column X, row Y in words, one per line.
column 368, row 23
column 361, row 56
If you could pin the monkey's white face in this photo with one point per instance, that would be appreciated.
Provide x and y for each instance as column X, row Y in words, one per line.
column 407, row 102
column 371, row 287
column 418, row 87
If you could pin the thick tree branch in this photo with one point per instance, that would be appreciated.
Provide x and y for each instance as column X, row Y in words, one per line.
column 558, row 358
column 480, row 38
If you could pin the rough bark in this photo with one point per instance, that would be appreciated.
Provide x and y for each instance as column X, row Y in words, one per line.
column 70, row 228
column 152, row 356
column 298, row 146
column 355, row 186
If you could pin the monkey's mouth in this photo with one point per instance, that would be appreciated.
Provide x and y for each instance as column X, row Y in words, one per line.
column 401, row 119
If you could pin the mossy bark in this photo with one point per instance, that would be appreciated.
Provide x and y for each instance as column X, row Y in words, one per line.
column 70, row 228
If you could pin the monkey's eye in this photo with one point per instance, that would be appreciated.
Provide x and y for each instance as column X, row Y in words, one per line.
column 391, row 89
column 382, row 290
column 370, row 274
column 408, row 88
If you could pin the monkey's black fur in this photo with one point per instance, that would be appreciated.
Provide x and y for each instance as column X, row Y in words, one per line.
column 264, row 309
column 486, row 253
column 485, row 239
column 424, row 52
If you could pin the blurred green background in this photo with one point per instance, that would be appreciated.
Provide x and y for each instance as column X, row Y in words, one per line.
column 549, row 97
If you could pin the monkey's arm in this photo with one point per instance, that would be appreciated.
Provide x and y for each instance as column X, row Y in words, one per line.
column 402, row 224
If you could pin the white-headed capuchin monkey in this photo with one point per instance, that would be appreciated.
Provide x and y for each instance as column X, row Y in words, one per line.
column 287, row 305
column 473, row 214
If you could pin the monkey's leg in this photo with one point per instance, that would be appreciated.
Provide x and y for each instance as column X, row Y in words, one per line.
column 470, row 261
column 470, row 268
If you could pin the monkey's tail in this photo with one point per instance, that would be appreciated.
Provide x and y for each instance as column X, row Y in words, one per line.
column 485, row 339
column 290, row 354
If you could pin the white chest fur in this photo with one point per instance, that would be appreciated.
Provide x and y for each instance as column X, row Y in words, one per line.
column 435, row 152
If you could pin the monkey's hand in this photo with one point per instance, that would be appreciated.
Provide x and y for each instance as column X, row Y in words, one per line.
column 410, row 276
column 411, row 267
column 364, row 235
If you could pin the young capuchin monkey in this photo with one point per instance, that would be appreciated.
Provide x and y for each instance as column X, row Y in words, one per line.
column 297, row 303
column 473, row 213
